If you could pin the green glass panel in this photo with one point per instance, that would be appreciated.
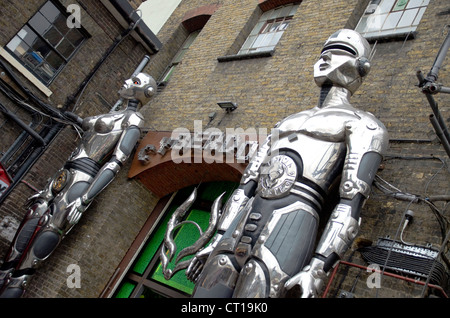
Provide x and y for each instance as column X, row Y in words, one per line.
column 214, row 190
column 400, row 5
column 125, row 290
column 152, row 245
column 186, row 236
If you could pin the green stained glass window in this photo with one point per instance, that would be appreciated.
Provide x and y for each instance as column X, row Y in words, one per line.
column 400, row 5
column 145, row 277
column 186, row 236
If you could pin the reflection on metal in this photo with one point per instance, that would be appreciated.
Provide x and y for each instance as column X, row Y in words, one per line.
column 176, row 221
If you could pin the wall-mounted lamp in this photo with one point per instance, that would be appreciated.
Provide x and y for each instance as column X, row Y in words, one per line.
column 228, row 106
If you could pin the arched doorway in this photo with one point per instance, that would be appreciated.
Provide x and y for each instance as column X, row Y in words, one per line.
column 143, row 277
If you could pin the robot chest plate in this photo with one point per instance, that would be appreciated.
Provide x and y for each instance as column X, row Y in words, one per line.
column 278, row 176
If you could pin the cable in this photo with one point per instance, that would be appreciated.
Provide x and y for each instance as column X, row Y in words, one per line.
column 408, row 218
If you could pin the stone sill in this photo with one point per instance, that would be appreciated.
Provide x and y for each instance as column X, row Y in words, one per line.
column 238, row 57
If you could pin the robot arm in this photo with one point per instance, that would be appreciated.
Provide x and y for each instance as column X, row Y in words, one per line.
column 107, row 173
column 366, row 140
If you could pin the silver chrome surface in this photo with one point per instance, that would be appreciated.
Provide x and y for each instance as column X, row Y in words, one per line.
column 91, row 167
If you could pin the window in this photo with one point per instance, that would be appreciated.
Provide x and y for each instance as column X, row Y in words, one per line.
column 178, row 57
column 45, row 43
column 145, row 278
column 391, row 17
column 269, row 29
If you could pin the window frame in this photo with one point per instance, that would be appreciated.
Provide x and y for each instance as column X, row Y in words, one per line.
column 177, row 59
column 261, row 33
column 372, row 24
column 52, row 49
column 138, row 271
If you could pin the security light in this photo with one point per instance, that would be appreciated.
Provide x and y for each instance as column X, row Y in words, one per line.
column 228, row 106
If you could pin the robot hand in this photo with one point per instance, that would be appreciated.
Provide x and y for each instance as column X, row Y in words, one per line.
column 307, row 283
column 197, row 263
column 76, row 209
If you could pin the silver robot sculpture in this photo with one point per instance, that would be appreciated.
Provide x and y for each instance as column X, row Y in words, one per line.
column 265, row 244
column 106, row 144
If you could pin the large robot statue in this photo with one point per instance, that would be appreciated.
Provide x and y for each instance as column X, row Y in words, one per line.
column 266, row 241
column 107, row 142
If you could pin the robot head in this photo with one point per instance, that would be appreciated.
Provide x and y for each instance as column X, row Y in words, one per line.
column 343, row 61
column 141, row 87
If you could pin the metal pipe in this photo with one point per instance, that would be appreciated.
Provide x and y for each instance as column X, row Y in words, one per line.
column 24, row 126
column 433, row 74
column 440, row 133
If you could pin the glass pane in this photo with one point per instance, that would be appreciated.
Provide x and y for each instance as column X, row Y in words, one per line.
column 257, row 28
column 385, row 6
column 284, row 12
column 50, row 11
column 60, row 23
column 18, row 46
column 284, row 25
column 27, row 35
column 260, row 40
column 293, row 10
column 362, row 25
column 40, row 23
column 274, row 26
column 248, row 43
column 266, row 28
column 125, row 290
column 65, row 48
column 168, row 74
column 276, row 37
column 407, row 18
column 45, row 71
column 400, row 5
column 392, row 20
column 153, row 245
column 53, row 36
column 419, row 16
column 75, row 37
column 41, row 48
column 54, row 60
column 414, row 4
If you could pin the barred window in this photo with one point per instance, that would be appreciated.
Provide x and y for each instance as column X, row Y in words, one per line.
column 391, row 17
column 46, row 43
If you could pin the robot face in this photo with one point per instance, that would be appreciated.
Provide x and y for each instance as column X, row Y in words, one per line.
column 343, row 60
column 141, row 87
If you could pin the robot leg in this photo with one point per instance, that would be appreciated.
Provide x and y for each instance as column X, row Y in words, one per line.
column 284, row 246
column 221, row 271
column 42, row 243
column 220, row 279
column 33, row 220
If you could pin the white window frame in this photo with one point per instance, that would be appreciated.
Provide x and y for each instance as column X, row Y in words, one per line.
column 269, row 29
column 387, row 18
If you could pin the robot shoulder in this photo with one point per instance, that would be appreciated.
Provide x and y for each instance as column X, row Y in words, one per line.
column 134, row 119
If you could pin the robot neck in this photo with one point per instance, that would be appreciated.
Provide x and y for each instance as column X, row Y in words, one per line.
column 133, row 104
column 333, row 96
